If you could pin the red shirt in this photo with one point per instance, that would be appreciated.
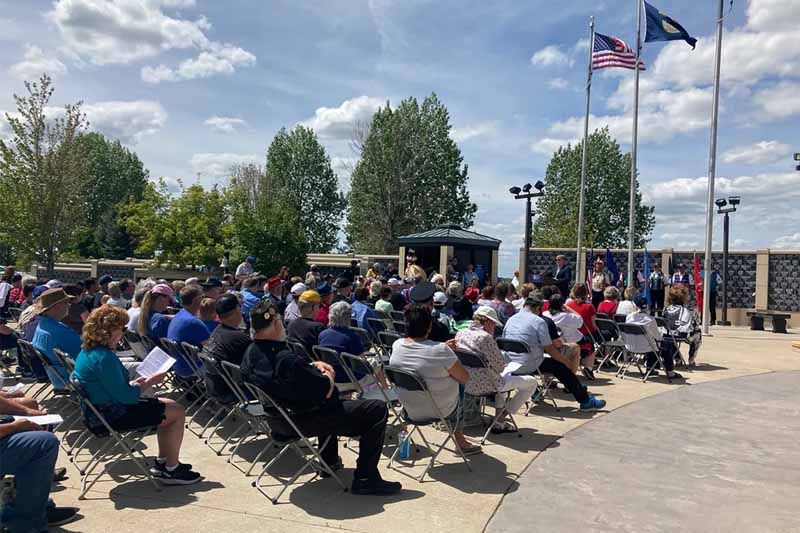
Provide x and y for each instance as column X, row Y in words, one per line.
column 545, row 305
column 586, row 310
column 608, row 307
column 322, row 314
column 16, row 296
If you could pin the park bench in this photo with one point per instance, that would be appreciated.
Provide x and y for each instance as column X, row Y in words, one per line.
column 778, row 320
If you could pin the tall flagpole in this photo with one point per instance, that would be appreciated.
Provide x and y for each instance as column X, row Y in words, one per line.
column 634, row 144
column 580, row 275
column 712, row 170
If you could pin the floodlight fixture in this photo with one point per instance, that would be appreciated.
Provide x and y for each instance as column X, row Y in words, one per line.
column 797, row 156
column 515, row 190
column 539, row 185
column 526, row 187
column 734, row 200
column 721, row 202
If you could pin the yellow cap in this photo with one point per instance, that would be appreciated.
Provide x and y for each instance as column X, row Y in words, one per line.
column 310, row 297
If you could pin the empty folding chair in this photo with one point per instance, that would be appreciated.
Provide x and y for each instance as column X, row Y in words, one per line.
column 219, row 403
column 29, row 353
column 399, row 327
column 546, row 381
column 387, row 339
column 638, row 343
column 472, row 361
column 326, row 355
column 191, row 354
column 136, row 344
column 118, row 445
column 611, row 345
column 376, row 326
column 298, row 443
column 410, row 381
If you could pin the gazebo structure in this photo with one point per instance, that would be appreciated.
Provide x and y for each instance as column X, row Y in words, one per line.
column 436, row 247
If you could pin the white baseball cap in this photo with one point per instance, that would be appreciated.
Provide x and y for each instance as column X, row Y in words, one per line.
column 298, row 289
column 394, row 281
column 487, row 312
column 439, row 298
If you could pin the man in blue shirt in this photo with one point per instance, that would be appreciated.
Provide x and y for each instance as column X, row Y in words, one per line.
column 712, row 290
column 361, row 311
column 186, row 327
column 251, row 295
column 53, row 306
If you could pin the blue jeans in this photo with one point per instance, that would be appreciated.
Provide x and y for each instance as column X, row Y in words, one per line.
column 30, row 457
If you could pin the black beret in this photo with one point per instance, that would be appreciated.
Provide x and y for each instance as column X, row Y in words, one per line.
column 422, row 292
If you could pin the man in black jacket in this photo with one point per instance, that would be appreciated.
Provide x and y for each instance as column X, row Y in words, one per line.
column 308, row 392
column 562, row 275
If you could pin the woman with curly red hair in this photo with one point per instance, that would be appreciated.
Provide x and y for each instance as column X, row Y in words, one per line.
column 105, row 380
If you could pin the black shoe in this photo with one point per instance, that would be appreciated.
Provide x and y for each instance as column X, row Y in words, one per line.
column 59, row 474
column 180, row 476
column 335, row 467
column 375, row 487
column 588, row 373
column 58, row 516
column 159, row 467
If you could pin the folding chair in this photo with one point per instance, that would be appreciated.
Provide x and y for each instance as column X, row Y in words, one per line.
column 365, row 336
column 602, row 315
column 191, row 355
column 399, row 326
column 331, row 357
column 387, row 339
column 472, row 361
column 546, row 381
column 676, row 340
column 298, row 443
column 184, row 385
column 15, row 313
column 300, row 349
column 353, row 363
column 410, row 381
column 136, row 344
column 52, row 392
column 73, row 415
column 376, row 326
column 117, row 445
column 223, row 404
column 29, row 353
column 251, row 411
column 611, row 345
column 620, row 319
column 632, row 355
column 398, row 316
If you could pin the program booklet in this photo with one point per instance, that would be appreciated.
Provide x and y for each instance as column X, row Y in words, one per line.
column 157, row 362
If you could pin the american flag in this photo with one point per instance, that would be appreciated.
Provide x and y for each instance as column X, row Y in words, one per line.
column 609, row 51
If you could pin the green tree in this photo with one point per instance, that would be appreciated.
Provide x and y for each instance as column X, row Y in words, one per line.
column 607, row 198
column 42, row 175
column 268, row 229
column 115, row 175
column 300, row 172
column 410, row 177
column 144, row 220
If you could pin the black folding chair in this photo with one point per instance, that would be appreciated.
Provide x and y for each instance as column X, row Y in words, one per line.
column 546, row 381
column 186, row 385
column 136, row 344
column 398, row 316
column 399, row 326
column 117, row 446
column 620, row 319
column 29, row 353
column 635, row 355
column 676, row 339
column 298, row 443
column 387, row 339
column 611, row 345
column 411, row 382
column 377, row 325
column 331, row 357
column 472, row 361
column 602, row 315
column 300, row 349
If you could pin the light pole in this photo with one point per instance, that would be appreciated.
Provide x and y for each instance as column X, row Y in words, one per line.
column 526, row 194
column 731, row 204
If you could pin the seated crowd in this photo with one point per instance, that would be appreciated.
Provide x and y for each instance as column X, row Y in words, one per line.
column 270, row 328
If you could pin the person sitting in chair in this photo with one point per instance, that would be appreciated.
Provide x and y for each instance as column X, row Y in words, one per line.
column 683, row 322
column 307, row 390
column 639, row 345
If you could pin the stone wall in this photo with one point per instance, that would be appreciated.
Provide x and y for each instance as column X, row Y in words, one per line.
column 784, row 282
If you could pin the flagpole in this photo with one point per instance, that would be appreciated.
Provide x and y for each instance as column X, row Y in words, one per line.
column 634, row 144
column 712, row 170
column 581, row 272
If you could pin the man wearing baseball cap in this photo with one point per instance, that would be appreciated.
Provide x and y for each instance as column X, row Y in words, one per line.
column 305, row 329
column 212, row 288
column 228, row 342
column 292, row 310
column 245, row 269
column 326, row 298
column 52, row 306
column 344, row 290
column 422, row 294
column 274, row 288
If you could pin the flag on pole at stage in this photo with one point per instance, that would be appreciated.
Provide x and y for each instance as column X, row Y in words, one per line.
column 609, row 51
column 698, row 282
column 661, row 27
column 646, row 274
column 611, row 266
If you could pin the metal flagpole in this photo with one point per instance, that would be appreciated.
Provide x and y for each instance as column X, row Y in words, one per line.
column 581, row 273
column 632, row 207
column 712, row 169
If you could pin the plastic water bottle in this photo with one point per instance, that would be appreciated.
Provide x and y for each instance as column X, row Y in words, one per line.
column 404, row 443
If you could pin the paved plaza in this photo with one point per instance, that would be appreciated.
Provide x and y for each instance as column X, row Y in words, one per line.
column 715, row 452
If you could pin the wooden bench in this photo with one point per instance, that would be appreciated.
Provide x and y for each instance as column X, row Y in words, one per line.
column 778, row 320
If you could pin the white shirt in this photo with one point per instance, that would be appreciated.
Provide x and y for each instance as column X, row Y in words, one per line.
column 626, row 307
column 568, row 323
column 515, row 282
column 5, row 288
column 639, row 344
column 244, row 269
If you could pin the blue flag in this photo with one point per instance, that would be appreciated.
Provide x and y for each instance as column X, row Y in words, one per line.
column 661, row 27
column 611, row 266
column 646, row 273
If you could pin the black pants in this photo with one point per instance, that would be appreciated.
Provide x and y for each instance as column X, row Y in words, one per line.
column 365, row 419
column 597, row 298
column 566, row 377
column 712, row 305
column 658, row 299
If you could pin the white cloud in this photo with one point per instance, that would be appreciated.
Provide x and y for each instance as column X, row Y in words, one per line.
column 217, row 165
column 741, row 243
column 779, row 101
column 337, row 122
column 35, row 64
column 224, row 124
column 551, row 55
column 548, row 145
column 787, row 241
column 476, row 130
column 558, row 84
column 751, row 188
column 582, row 45
column 127, row 121
column 760, row 152
column 123, row 31
column 219, row 59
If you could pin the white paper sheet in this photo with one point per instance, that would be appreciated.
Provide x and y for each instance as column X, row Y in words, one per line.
column 43, row 420
column 16, row 388
column 157, row 362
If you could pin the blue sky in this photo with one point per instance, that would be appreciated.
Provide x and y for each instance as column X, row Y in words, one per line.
column 196, row 85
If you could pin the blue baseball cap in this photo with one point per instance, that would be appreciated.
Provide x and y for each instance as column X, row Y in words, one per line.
column 323, row 289
column 250, row 259
column 38, row 291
